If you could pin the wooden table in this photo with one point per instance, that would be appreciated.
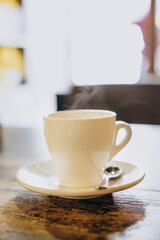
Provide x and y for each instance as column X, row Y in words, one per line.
column 130, row 214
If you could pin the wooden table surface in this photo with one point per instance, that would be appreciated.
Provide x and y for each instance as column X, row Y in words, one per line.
column 130, row 214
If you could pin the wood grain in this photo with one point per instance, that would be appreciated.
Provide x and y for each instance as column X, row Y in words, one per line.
column 131, row 214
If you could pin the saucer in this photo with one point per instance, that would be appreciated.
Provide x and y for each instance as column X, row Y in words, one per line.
column 41, row 178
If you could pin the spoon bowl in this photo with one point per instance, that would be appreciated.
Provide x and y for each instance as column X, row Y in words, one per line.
column 112, row 171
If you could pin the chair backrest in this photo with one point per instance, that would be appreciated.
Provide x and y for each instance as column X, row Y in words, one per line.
column 132, row 103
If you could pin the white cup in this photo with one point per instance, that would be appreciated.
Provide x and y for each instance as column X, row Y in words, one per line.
column 81, row 142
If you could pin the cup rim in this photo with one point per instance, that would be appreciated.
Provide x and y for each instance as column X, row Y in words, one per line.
column 111, row 114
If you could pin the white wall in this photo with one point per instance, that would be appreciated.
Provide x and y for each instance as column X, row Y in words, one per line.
column 105, row 48
column 47, row 56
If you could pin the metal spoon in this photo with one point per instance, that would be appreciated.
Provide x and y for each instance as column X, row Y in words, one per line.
column 112, row 172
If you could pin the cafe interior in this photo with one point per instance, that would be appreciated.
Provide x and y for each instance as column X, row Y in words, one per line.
column 79, row 56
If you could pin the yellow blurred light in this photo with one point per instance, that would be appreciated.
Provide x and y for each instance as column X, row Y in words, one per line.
column 11, row 2
column 11, row 58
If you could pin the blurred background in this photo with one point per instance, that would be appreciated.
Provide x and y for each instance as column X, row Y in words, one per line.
column 50, row 46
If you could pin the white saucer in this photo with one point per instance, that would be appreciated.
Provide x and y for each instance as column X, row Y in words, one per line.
column 41, row 178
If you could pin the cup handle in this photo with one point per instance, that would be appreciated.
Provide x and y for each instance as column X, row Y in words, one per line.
column 128, row 133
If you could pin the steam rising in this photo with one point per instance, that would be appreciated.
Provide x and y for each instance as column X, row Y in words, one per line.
column 86, row 97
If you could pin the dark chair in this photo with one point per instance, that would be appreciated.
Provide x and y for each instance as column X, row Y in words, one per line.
column 133, row 103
